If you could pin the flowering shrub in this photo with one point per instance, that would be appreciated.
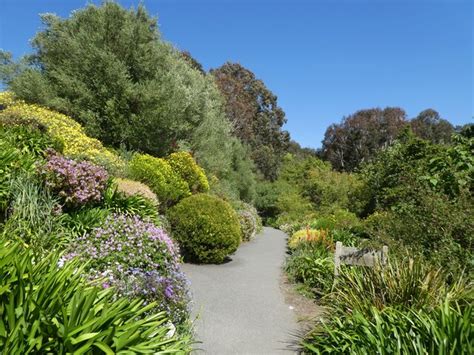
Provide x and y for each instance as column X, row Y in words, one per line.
column 63, row 129
column 160, row 177
column 250, row 221
column 310, row 235
column 185, row 166
column 77, row 183
column 138, row 259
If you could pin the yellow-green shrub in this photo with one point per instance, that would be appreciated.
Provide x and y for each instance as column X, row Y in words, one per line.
column 310, row 235
column 62, row 128
column 131, row 188
column 185, row 166
column 160, row 177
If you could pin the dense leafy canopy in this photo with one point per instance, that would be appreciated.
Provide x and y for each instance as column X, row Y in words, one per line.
column 255, row 116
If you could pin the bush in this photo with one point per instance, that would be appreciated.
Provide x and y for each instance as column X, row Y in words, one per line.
column 445, row 330
column 206, row 227
column 77, row 183
column 184, row 166
column 51, row 310
column 12, row 162
column 62, row 129
column 132, row 188
column 160, row 177
column 400, row 284
column 137, row 204
column 310, row 235
column 312, row 265
column 250, row 221
column 138, row 259
column 34, row 216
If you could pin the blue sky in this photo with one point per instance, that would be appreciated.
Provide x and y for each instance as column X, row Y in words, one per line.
column 323, row 59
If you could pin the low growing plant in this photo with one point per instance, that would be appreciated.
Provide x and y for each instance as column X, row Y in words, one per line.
column 45, row 309
column 138, row 259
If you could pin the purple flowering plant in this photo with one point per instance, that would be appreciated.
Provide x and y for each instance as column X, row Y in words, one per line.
column 76, row 182
column 138, row 259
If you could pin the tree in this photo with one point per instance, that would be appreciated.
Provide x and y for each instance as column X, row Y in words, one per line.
column 429, row 125
column 193, row 63
column 255, row 116
column 109, row 69
column 359, row 136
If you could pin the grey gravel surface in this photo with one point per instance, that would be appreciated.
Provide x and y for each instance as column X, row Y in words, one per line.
column 239, row 304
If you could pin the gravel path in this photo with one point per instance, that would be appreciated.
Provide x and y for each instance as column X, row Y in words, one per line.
column 240, row 306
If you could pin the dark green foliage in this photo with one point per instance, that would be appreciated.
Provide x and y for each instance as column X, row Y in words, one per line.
column 48, row 309
column 255, row 116
column 108, row 68
column 206, row 228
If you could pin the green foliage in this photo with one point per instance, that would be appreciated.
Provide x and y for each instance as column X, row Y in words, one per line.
column 312, row 265
column 139, row 205
column 29, row 140
column 160, row 177
column 255, row 115
column 84, row 220
column 206, row 227
column 405, row 283
column 46, row 309
column 445, row 330
column 108, row 68
column 34, row 216
column 184, row 166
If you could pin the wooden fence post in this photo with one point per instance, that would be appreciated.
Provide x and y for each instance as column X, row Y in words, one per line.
column 337, row 258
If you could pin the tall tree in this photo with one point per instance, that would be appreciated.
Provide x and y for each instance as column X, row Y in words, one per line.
column 359, row 136
column 429, row 125
column 108, row 68
column 255, row 116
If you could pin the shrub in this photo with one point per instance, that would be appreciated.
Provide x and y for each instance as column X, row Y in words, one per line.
column 400, row 284
column 77, row 183
column 34, row 216
column 29, row 139
column 84, row 220
column 184, row 166
column 206, row 227
column 445, row 330
column 250, row 221
column 312, row 265
column 132, row 188
column 12, row 162
column 138, row 259
column 160, row 177
column 51, row 310
column 62, row 129
column 137, row 204
column 310, row 235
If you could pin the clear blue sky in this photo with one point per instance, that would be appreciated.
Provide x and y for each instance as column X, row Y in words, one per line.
column 323, row 59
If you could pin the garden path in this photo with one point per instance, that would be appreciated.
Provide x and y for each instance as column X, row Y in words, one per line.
column 240, row 306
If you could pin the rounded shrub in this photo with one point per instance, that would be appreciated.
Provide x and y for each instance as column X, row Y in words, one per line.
column 160, row 177
column 132, row 188
column 185, row 166
column 206, row 227
column 250, row 221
